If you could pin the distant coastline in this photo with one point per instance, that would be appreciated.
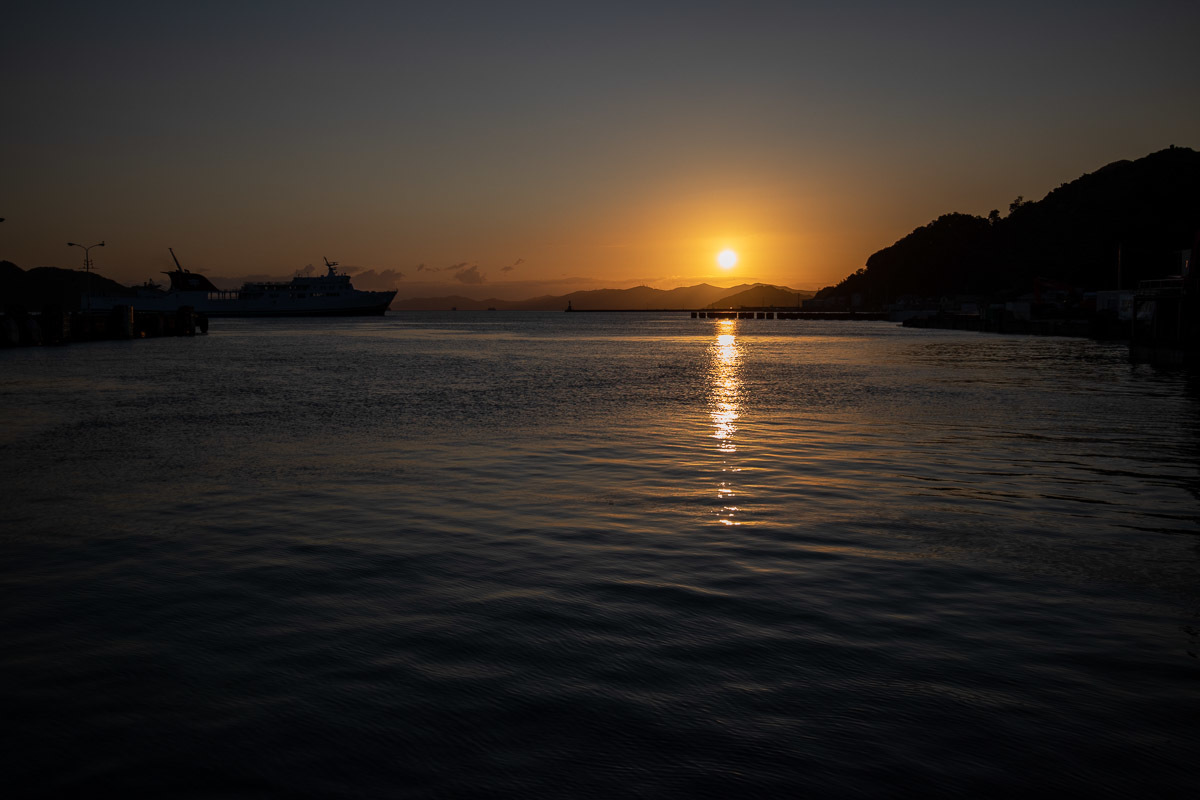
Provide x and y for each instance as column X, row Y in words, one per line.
column 638, row 298
column 40, row 288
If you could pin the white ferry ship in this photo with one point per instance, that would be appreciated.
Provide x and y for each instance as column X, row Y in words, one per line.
column 303, row 296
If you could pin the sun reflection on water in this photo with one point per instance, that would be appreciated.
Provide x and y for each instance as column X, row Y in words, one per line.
column 725, row 386
column 725, row 402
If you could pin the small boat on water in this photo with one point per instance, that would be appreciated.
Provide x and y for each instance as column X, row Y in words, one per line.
column 303, row 296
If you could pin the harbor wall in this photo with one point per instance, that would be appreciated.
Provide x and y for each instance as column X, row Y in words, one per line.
column 55, row 326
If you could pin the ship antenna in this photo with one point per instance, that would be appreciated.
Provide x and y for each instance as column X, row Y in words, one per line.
column 175, row 259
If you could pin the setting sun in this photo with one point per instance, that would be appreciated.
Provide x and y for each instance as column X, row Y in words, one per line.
column 727, row 258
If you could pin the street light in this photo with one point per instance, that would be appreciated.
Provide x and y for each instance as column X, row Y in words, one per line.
column 87, row 267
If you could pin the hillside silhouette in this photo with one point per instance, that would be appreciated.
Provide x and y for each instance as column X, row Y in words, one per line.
column 44, row 287
column 637, row 298
column 1105, row 230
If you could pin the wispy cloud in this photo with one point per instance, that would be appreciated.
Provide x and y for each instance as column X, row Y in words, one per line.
column 374, row 279
column 452, row 268
column 464, row 272
column 470, row 275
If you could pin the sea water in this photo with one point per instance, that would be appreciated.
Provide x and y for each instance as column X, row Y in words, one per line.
column 597, row 555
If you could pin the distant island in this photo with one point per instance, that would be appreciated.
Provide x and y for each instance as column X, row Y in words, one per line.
column 1123, row 223
column 639, row 298
column 53, row 287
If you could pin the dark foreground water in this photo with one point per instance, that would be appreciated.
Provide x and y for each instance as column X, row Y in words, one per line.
column 595, row 555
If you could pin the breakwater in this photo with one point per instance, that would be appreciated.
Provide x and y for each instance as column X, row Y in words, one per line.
column 867, row 316
column 746, row 313
column 122, row 322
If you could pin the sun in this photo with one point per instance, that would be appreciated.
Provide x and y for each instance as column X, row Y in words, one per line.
column 727, row 258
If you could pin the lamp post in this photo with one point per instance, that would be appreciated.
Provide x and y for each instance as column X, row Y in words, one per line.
column 87, row 267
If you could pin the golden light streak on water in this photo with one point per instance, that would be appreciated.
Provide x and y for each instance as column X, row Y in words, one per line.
column 725, row 386
column 725, row 406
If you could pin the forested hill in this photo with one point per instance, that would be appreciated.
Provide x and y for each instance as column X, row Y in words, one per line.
column 41, row 287
column 1145, row 210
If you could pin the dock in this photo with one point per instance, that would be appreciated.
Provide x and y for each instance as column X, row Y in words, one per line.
column 54, row 327
column 848, row 316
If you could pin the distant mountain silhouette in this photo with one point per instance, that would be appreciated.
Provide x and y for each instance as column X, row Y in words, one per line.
column 763, row 294
column 1145, row 210
column 635, row 299
column 42, row 287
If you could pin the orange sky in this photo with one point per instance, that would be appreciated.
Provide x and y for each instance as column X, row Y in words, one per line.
column 536, row 149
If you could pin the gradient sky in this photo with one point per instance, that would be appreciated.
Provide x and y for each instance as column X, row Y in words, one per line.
column 516, row 149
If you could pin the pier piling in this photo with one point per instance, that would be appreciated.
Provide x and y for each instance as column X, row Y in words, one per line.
column 55, row 326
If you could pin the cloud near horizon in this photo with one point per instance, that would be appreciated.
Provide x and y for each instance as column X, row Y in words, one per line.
column 453, row 267
column 470, row 275
column 464, row 272
column 373, row 280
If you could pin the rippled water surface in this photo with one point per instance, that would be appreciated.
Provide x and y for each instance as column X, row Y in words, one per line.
column 597, row 555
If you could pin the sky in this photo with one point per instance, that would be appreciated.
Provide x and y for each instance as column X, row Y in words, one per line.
column 516, row 149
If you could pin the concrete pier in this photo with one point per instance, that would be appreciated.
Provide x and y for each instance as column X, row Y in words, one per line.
column 55, row 326
column 857, row 316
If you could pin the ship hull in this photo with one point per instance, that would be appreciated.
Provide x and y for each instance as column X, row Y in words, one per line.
column 370, row 304
column 336, row 312
column 236, row 309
